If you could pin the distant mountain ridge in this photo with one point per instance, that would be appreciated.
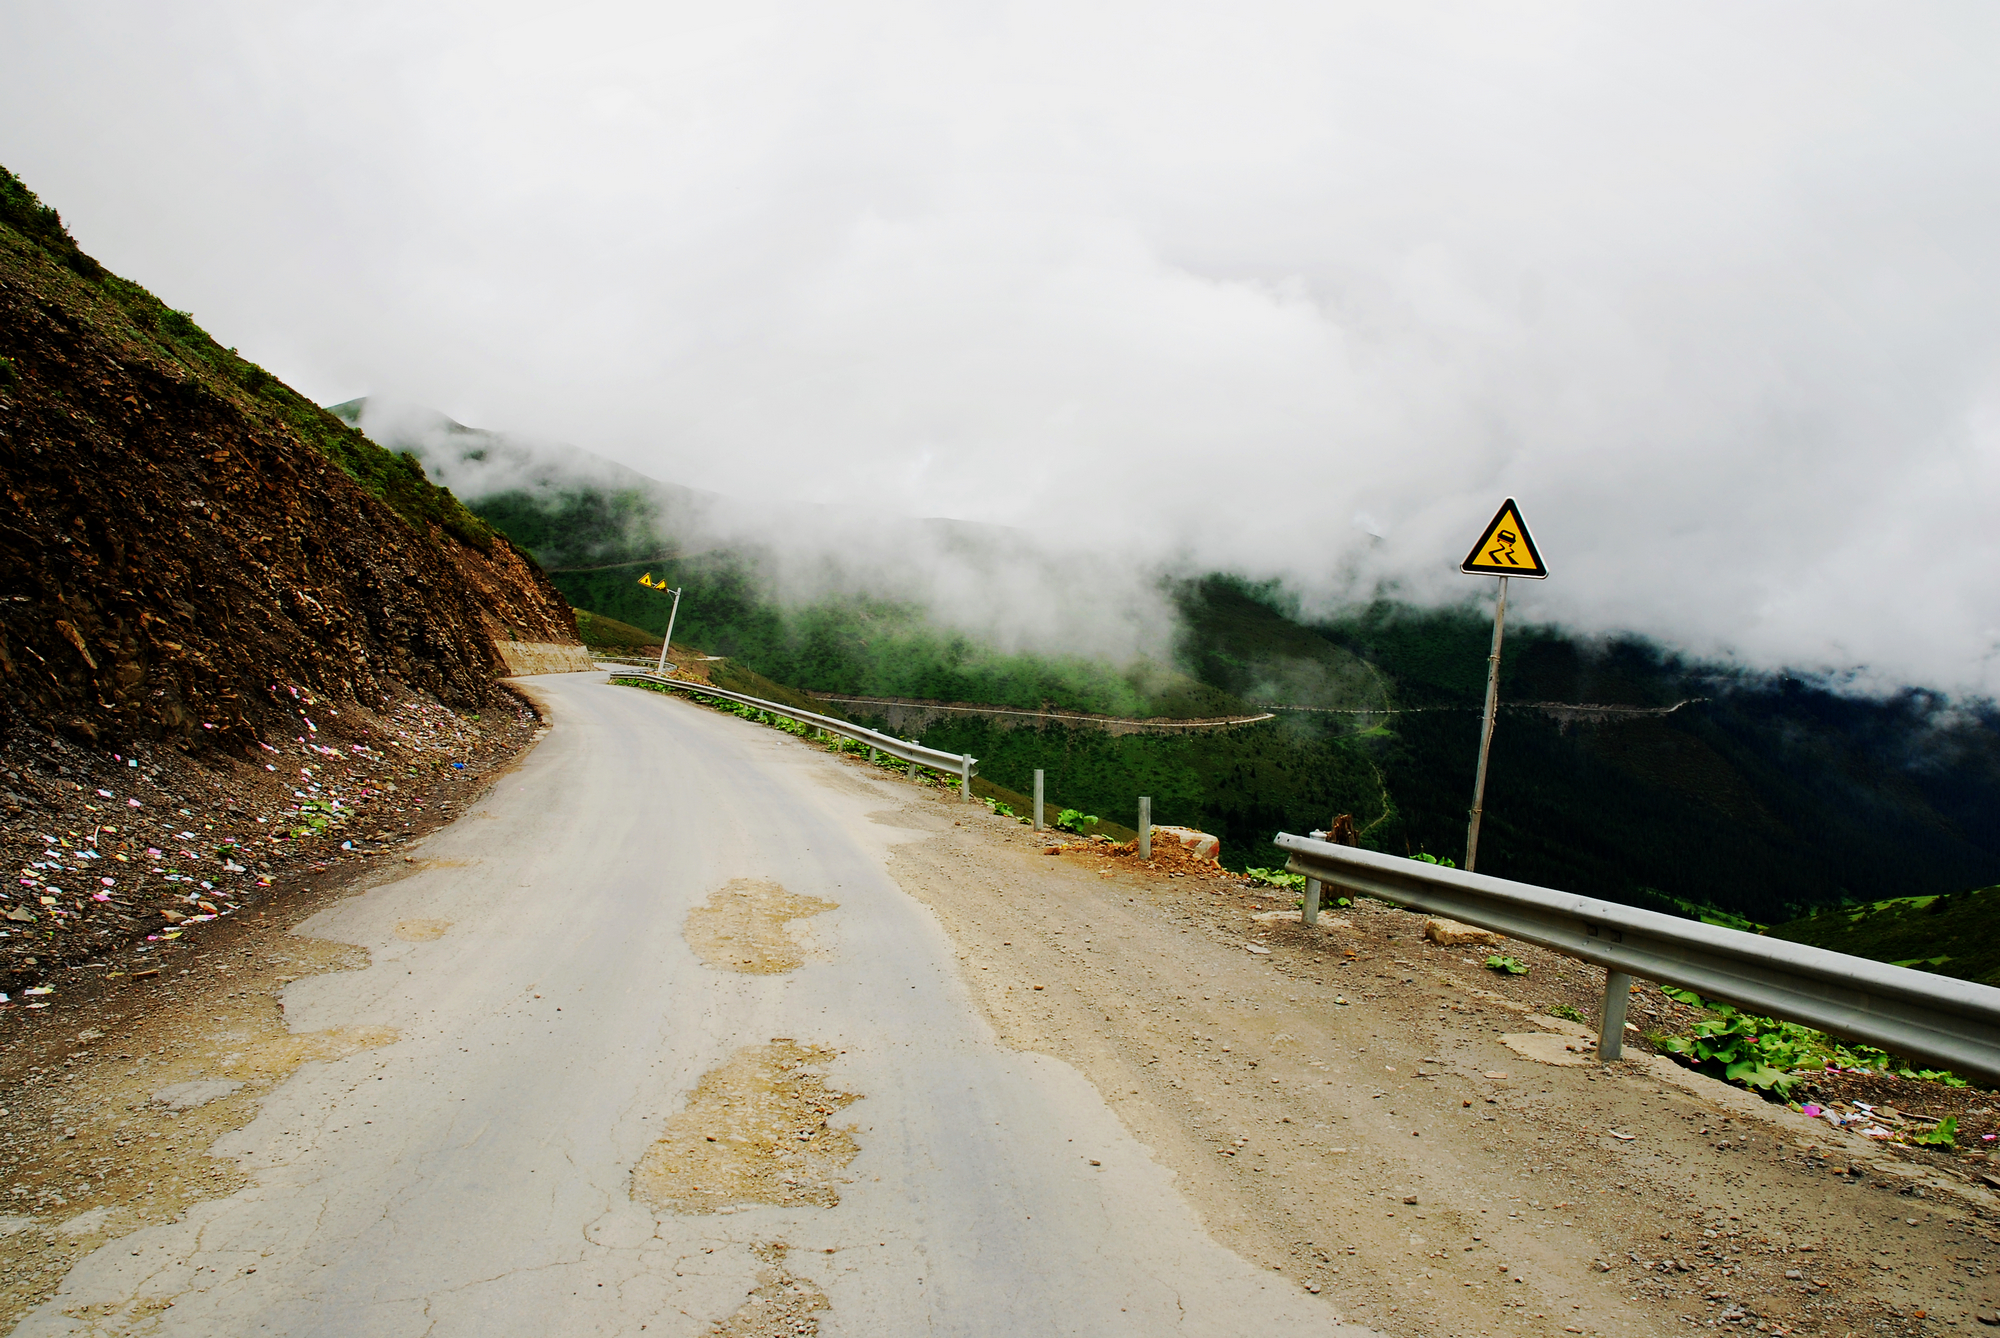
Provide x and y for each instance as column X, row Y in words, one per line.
column 566, row 506
column 1619, row 770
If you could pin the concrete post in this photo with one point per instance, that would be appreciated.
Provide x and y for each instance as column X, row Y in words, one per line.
column 1145, row 826
column 1038, row 801
column 965, row 777
column 1611, row 1036
column 1310, row 914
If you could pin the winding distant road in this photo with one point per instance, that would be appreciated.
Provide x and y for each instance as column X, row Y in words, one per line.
column 475, row 1176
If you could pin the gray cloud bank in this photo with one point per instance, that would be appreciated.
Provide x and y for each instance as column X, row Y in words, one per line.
column 1012, row 589
column 1293, row 288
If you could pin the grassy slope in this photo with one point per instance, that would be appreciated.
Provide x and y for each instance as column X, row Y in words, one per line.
column 1955, row 935
column 600, row 631
column 753, row 684
column 590, row 527
column 396, row 479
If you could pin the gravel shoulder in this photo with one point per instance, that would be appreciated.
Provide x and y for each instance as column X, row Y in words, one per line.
column 1343, row 1105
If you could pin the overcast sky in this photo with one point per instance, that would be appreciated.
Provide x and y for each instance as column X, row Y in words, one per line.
column 1301, row 288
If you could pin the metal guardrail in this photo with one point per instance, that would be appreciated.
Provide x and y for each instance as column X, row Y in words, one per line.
column 962, row 765
column 1914, row 1014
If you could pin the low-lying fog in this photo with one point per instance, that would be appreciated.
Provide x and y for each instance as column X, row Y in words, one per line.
column 1286, row 287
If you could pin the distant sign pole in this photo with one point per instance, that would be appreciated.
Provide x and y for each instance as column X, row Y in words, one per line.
column 1505, row 549
column 648, row 581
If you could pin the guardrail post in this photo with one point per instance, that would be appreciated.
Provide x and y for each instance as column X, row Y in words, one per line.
column 1952, row 1023
column 1310, row 913
column 1038, row 801
column 1145, row 826
column 871, row 755
column 1611, row 1037
column 965, row 777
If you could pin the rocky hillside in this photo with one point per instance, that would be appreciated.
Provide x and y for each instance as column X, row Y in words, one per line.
column 180, row 530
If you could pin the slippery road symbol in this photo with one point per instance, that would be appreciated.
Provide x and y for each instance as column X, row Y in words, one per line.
column 1505, row 548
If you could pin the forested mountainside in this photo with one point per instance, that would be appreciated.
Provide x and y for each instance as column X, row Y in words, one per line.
column 180, row 530
column 1619, row 769
column 1956, row 934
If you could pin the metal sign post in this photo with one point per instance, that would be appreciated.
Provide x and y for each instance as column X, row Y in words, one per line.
column 667, row 640
column 1486, row 730
column 1504, row 549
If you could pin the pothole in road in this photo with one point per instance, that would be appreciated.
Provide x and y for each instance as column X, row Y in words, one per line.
column 110, row 1131
column 755, row 1130
column 421, row 931
column 782, row 1306
column 754, row 926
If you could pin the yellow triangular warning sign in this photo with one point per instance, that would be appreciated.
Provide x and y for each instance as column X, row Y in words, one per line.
column 1505, row 548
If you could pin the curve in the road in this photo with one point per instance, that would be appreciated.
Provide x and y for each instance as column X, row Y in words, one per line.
column 556, row 1028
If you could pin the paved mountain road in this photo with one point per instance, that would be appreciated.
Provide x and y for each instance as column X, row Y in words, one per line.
column 548, row 1022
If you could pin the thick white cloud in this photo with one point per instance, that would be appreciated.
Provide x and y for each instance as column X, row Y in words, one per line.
column 1711, row 288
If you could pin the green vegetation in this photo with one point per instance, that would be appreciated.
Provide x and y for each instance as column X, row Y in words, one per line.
column 1746, row 800
column 1709, row 795
column 1715, row 915
column 27, row 215
column 599, row 631
column 763, row 717
column 1076, row 820
column 752, row 684
column 1766, row 1054
column 1243, row 785
column 1943, row 1134
column 1954, row 935
column 585, row 527
column 220, row 373
column 1753, row 797
column 1505, row 965
column 862, row 646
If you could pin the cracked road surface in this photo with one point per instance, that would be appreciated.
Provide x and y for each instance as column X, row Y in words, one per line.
column 552, row 1024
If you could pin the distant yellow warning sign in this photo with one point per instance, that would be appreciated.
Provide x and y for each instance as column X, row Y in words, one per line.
column 1506, row 548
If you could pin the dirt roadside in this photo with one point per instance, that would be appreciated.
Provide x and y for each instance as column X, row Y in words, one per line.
column 1343, row 1104
column 148, row 1049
